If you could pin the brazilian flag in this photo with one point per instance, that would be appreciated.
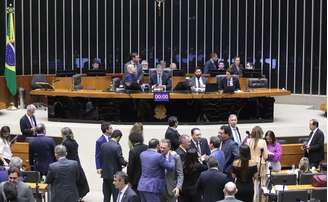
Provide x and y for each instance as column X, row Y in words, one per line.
column 10, row 66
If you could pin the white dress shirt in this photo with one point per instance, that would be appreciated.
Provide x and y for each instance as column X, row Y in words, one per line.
column 31, row 121
column 314, row 131
column 5, row 150
column 121, row 194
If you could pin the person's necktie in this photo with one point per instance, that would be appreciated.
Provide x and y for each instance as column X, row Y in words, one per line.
column 237, row 136
column 159, row 79
column 119, row 197
column 198, row 147
column 198, row 81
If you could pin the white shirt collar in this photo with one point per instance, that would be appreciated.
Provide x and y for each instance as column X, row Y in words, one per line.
column 122, row 192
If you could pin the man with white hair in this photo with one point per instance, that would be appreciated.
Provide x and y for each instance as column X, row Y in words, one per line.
column 229, row 191
column 28, row 121
column 233, row 120
column 63, row 177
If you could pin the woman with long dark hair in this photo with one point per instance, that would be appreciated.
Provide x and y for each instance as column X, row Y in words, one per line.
column 191, row 169
column 274, row 150
column 243, row 170
column 5, row 151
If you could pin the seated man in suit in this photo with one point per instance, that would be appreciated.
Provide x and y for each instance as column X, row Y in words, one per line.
column 130, row 78
column 125, row 192
column 198, row 81
column 229, row 83
column 236, row 67
column 28, row 121
column 160, row 80
column 221, row 65
column 211, row 64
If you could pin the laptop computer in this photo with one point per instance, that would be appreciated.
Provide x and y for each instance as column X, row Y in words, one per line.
column 211, row 87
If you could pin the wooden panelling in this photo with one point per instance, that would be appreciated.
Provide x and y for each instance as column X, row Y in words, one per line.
column 21, row 149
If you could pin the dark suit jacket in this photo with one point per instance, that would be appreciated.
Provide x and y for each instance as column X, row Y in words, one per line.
column 238, row 134
column 101, row 140
column 139, row 73
column 174, row 136
column 209, row 65
column 134, row 165
column 235, row 70
column 130, row 196
column 223, row 83
column 316, row 151
column 203, row 146
column 41, row 152
column 25, row 125
column 112, row 159
column 72, row 150
column 182, row 153
column 231, row 152
column 24, row 193
column 166, row 79
column 211, row 184
column 63, row 176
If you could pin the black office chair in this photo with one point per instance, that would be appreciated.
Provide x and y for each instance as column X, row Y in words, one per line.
column 305, row 178
column 319, row 194
column 31, row 176
column 283, row 179
column 292, row 196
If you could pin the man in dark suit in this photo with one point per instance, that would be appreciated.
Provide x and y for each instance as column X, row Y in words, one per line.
column 198, row 81
column 134, row 164
column 172, row 133
column 314, row 148
column 135, row 61
column 211, row 64
column 236, row 67
column 22, row 190
column 112, row 161
column 174, row 178
column 152, row 181
column 199, row 143
column 63, row 177
column 229, row 147
column 230, row 190
column 185, row 143
column 41, row 150
column 106, row 129
column 229, row 83
column 125, row 192
column 28, row 122
column 232, row 121
column 216, row 152
column 160, row 79
column 211, row 182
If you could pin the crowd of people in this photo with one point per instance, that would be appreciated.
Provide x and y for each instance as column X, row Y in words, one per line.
column 183, row 167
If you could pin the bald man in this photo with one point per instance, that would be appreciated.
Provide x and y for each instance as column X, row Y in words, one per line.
column 229, row 191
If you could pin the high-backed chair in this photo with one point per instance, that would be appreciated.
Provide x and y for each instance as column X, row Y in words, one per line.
column 292, row 195
column 305, row 178
column 319, row 194
column 283, row 179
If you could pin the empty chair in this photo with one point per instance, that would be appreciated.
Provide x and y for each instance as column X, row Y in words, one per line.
column 305, row 178
column 292, row 196
column 283, row 179
column 319, row 194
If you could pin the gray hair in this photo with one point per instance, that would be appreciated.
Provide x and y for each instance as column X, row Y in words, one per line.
column 166, row 141
column 40, row 128
column 16, row 162
column 30, row 108
column 67, row 133
column 122, row 175
column 230, row 189
column 60, row 151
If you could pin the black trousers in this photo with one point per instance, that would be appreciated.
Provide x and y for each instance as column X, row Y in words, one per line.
column 108, row 190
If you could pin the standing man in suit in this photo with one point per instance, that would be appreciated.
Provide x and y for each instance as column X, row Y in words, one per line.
column 229, row 147
column 230, row 190
column 174, row 178
column 41, row 150
column 134, row 164
column 112, row 161
column 199, row 143
column 172, row 133
column 23, row 191
column 211, row 182
column 314, row 148
column 211, row 64
column 216, row 152
column 107, row 130
column 229, row 82
column 63, row 177
column 232, row 121
column 198, row 81
column 125, row 192
column 236, row 67
column 152, row 181
column 28, row 122
column 185, row 143
column 135, row 61
column 160, row 79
